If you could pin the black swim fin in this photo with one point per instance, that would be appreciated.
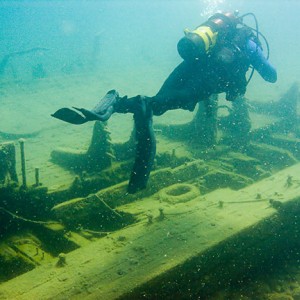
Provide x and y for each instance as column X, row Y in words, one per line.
column 92, row 115
column 70, row 116
column 101, row 112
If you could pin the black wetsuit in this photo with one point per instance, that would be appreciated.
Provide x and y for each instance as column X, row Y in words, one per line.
column 223, row 70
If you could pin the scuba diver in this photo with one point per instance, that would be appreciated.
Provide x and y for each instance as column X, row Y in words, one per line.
column 216, row 56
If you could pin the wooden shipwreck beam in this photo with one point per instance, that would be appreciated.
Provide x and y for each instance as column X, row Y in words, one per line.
column 174, row 246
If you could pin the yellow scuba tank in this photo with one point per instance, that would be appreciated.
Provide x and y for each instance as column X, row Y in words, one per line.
column 199, row 42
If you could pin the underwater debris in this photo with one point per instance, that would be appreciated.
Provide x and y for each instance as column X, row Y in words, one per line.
column 38, row 252
column 121, row 238
column 88, row 232
column 286, row 107
column 61, row 260
column 107, row 206
column 149, row 218
column 161, row 214
column 4, row 62
column 8, row 163
column 15, row 136
column 286, row 111
column 98, row 157
column 236, row 126
column 258, row 196
column 179, row 192
column 173, row 158
column 23, row 165
column 221, row 204
column 201, row 131
column 275, row 204
column 37, row 176
column 28, row 220
column 26, row 241
column 100, row 153
column 76, row 184
column 247, row 201
column 289, row 181
column 38, row 71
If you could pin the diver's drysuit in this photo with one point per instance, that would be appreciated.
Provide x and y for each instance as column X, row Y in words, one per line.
column 220, row 68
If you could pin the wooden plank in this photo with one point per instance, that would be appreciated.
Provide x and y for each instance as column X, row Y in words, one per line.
column 128, row 258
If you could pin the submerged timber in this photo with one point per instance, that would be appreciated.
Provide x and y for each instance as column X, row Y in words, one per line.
column 223, row 210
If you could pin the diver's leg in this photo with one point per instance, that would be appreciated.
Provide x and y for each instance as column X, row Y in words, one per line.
column 181, row 90
column 141, row 108
column 146, row 144
column 175, row 93
column 103, row 110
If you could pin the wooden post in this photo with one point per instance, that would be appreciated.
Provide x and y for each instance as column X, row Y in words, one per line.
column 8, row 162
column 205, row 122
column 23, row 165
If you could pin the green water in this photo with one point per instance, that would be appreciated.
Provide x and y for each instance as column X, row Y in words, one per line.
column 57, row 54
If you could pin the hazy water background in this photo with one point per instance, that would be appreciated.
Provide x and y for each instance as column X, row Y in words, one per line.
column 135, row 32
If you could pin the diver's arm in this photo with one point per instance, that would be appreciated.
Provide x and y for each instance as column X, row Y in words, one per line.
column 260, row 63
